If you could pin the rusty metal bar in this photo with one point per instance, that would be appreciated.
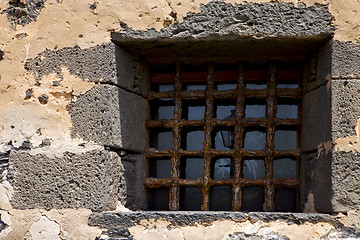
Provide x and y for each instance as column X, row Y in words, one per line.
column 294, row 93
column 207, row 138
column 239, row 138
column 164, row 123
column 166, row 182
column 270, row 133
column 237, row 95
column 176, row 141
column 253, row 74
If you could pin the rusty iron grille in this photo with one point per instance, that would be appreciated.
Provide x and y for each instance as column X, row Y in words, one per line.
column 272, row 73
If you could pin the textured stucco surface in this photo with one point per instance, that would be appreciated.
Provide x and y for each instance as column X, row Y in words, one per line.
column 90, row 180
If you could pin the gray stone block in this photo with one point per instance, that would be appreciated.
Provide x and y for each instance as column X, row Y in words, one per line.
column 220, row 19
column 316, row 179
column 112, row 117
column 345, row 107
column 134, row 175
column 345, row 60
column 125, row 68
column 345, row 181
column 316, row 118
column 133, row 73
column 95, row 64
column 88, row 180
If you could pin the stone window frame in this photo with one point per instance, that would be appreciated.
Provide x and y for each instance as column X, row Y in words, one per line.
column 182, row 42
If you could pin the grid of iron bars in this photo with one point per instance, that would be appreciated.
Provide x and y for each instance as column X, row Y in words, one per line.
column 271, row 75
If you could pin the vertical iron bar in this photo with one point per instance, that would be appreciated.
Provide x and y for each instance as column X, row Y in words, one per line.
column 239, row 137
column 209, row 100
column 175, row 156
column 271, row 107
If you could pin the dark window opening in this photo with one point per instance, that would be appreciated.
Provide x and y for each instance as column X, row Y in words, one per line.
column 225, row 138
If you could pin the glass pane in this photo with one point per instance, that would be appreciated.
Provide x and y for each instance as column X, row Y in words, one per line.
column 222, row 168
column 220, row 198
column 223, row 138
column 256, row 84
column 161, row 138
column 191, row 167
column 285, row 200
column 159, row 167
column 253, row 169
column 287, row 108
column 166, row 87
column 194, row 86
column 162, row 87
column 288, row 83
column 190, row 198
column 162, row 109
column 193, row 109
column 285, row 138
column 284, row 168
column 225, row 86
column 255, row 108
column 252, row 199
column 159, row 199
column 192, row 139
column 255, row 138
column 223, row 108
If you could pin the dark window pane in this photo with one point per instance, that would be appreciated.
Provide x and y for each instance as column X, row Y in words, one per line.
column 192, row 138
column 256, row 84
column 223, row 138
column 222, row 168
column 223, row 108
column 191, row 167
column 162, row 109
column 288, row 83
column 285, row 138
column 287, row 108
column 163, row 87
column 255, row 108
column 220, row 198
column 285, row 200
column 255, row 138
column 159, row 167
column 190, row 198
column 159, row 199
column 252, row 199
column 253, row 168
column 194, row 86
column 193, row 109
column 225, row 86
column 160, row 138
column 284, row 168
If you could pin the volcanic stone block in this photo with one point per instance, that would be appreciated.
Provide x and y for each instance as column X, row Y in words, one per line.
column 112, row 117
column 345, row 180
column 345, row 107
column 316, row 112
column 95, row 64
column 134, row 175
column 87, row 180
column 345, row 60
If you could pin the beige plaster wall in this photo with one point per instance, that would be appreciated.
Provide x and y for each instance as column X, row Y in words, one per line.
column 60, row 25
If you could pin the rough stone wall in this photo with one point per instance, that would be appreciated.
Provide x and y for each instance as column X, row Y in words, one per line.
column 55, row 56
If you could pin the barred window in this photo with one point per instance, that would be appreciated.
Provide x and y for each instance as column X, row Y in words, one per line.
column 224, row 137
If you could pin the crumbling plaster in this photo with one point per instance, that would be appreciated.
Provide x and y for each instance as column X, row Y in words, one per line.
column 63, row 24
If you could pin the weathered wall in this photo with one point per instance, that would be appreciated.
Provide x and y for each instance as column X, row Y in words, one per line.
column 57, row 56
